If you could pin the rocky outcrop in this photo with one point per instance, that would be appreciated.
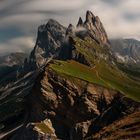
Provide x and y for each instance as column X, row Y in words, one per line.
column 125, row 128
column 36, row 131
column 95, row 28
column 80, row 22
column 70, row 30
column 76, row 108
column 49, row 40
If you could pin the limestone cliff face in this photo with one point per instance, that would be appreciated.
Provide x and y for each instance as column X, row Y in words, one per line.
column 76, row 108
column 49, row 40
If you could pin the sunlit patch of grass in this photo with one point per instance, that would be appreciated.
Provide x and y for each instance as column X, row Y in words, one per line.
column 44, row 127
column 103, row 74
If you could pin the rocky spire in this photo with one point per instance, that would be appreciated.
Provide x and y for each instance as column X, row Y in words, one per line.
column 80, row 22
column 95, row 28
column 70, row 30
column 89, row 16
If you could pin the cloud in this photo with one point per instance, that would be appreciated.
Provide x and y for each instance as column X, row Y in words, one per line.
column 34, row 6
column 28, row 15
column 21, row 18
column 52, row 5
column 19, row 44
column 111, row 2
column 121, row 19
column 9, row 32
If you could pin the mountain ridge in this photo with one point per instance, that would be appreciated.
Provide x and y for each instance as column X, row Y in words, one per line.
column 56, row 36
column 70, row 88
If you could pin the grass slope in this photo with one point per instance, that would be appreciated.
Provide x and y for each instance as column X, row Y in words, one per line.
column 102, row 74
column 90, row 49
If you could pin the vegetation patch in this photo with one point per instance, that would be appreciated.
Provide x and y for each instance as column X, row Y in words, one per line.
column 44, row 127
column 102, row 73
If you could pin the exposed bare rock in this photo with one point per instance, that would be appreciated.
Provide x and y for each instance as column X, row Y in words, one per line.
column 49, row 40
column 125, row 128
column 70, row 30
column 80, row 22
column 36, row 131
column 95, row 28
column 77, row 108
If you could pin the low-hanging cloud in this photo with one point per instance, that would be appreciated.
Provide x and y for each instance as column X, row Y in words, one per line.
column 121, row 18
column 19, row 44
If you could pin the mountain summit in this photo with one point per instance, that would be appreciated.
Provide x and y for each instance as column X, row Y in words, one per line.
column 95, row 28
column 52, row 36
column 49, row 40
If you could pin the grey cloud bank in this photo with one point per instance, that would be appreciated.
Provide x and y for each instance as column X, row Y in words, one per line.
column 19, row 19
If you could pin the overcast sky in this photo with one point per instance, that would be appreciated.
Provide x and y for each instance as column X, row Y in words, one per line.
column 19, row 19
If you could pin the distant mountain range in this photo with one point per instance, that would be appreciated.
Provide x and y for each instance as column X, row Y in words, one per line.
column 11, row 59
column 126, row 50
column 11, row 62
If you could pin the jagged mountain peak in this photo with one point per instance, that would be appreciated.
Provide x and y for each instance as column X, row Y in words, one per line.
column 50, row 25
column 96, row 29
column 89, row 16
column 52, row 22
column 80, row 22
column 52, row 36
column 70, row 30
